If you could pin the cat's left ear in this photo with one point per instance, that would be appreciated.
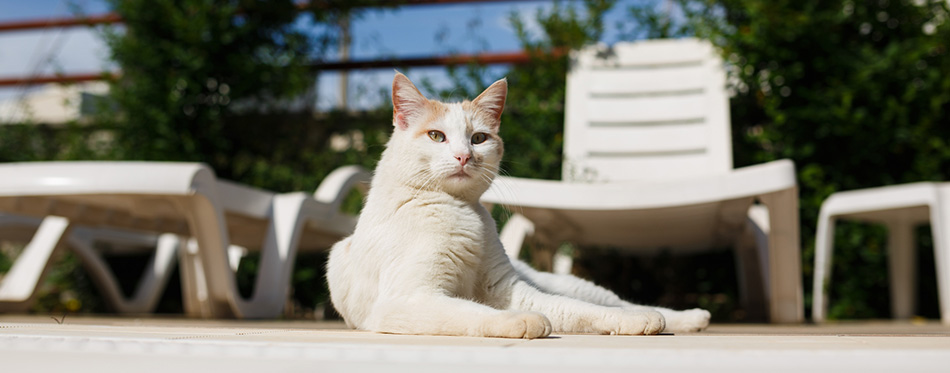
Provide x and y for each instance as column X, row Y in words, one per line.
column 492, row 101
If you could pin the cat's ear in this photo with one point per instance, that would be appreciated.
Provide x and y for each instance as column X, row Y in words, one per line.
column 492, row 101
column 407, row 101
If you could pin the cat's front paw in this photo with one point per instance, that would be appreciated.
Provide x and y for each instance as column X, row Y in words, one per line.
column 692, row 320
column 527, row 325
column 639, row 323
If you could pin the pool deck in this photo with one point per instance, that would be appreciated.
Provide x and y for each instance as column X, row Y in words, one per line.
column 113, row 344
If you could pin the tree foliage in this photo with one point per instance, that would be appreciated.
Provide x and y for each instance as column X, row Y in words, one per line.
column 187, row 65
column 857, row 93
column 228, row 83
column 535, row 118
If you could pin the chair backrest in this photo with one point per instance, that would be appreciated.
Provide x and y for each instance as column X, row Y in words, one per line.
column 650, row 110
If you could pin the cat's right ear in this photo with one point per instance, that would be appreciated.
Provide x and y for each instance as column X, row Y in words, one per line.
column 407, row 101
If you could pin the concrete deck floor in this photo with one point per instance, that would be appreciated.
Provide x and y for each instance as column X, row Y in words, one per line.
column 105, row 344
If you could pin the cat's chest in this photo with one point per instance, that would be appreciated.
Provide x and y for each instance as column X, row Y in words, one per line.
column 458, row 253
column 436, row 242
column 458, row 223
column 453, row 230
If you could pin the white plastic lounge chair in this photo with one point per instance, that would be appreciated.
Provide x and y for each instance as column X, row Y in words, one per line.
column 18, row 289
column 153, row 280
column 183, row 199
column 900, row 208
column 149, row 288
column 285, row 223
column 648, row 165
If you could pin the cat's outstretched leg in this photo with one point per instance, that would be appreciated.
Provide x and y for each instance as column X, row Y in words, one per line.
column 691, row 320
column 568, row 285
column 433, row 314
column 567, row 314
column 571, row 286
column 575, row 316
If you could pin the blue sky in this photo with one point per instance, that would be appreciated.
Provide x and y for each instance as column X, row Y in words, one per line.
column 407, row 31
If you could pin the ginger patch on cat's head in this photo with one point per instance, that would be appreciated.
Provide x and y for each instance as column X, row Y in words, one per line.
column 410, row 107
column 489, row 105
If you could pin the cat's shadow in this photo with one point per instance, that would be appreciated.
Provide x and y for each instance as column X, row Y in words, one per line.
column 658, row 335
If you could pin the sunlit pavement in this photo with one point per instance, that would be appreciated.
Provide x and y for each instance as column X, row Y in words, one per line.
column 107, row 344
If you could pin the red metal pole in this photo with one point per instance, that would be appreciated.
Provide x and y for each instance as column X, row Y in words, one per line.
column 74, row 78
column 500, row 58
column 110, row 18
column 101, row 19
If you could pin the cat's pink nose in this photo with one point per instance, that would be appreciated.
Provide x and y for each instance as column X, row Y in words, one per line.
column 463, row 158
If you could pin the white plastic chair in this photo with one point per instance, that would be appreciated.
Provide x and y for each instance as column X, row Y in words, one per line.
column 164, row 249
column 648, row 165
column 900, row 208
column 182, row 199
column 153, row 280
column 18, row 286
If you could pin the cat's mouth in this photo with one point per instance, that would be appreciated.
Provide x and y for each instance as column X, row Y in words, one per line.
column 460, row 173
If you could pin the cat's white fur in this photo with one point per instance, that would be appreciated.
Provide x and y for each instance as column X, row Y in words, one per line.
column 426, row 259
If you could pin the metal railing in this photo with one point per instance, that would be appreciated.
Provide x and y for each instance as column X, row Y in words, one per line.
column 488, row 58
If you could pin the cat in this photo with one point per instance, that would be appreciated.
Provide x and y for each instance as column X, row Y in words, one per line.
column 425, row 257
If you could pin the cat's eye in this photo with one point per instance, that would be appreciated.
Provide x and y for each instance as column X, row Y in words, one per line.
column 479, row 138
column 437, row 136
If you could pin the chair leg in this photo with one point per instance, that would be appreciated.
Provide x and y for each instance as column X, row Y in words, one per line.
column 785, row 283
column 159, row 269
column 901, row 268
column 272, row 286
column 824, row 246
column 151, row 284
column 18, row 289
column 513, row 234
column 211, row 274
column 751, row 249
column 235, row 254
column 562, row 264
column 517, row 230
column 940, row 224
column 216, row 288
column 194, row 284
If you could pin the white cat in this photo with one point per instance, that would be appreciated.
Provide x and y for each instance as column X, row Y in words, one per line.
column 426, row 259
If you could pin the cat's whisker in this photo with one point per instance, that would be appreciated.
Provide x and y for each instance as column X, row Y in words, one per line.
column 490, row 177
column 430, row 177
column 506, row 190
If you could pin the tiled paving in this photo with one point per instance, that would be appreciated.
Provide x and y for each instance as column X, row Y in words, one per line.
column 84, row 344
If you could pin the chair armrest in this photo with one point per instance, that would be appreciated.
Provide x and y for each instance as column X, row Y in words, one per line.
column 554, row 194
column 337, row 185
